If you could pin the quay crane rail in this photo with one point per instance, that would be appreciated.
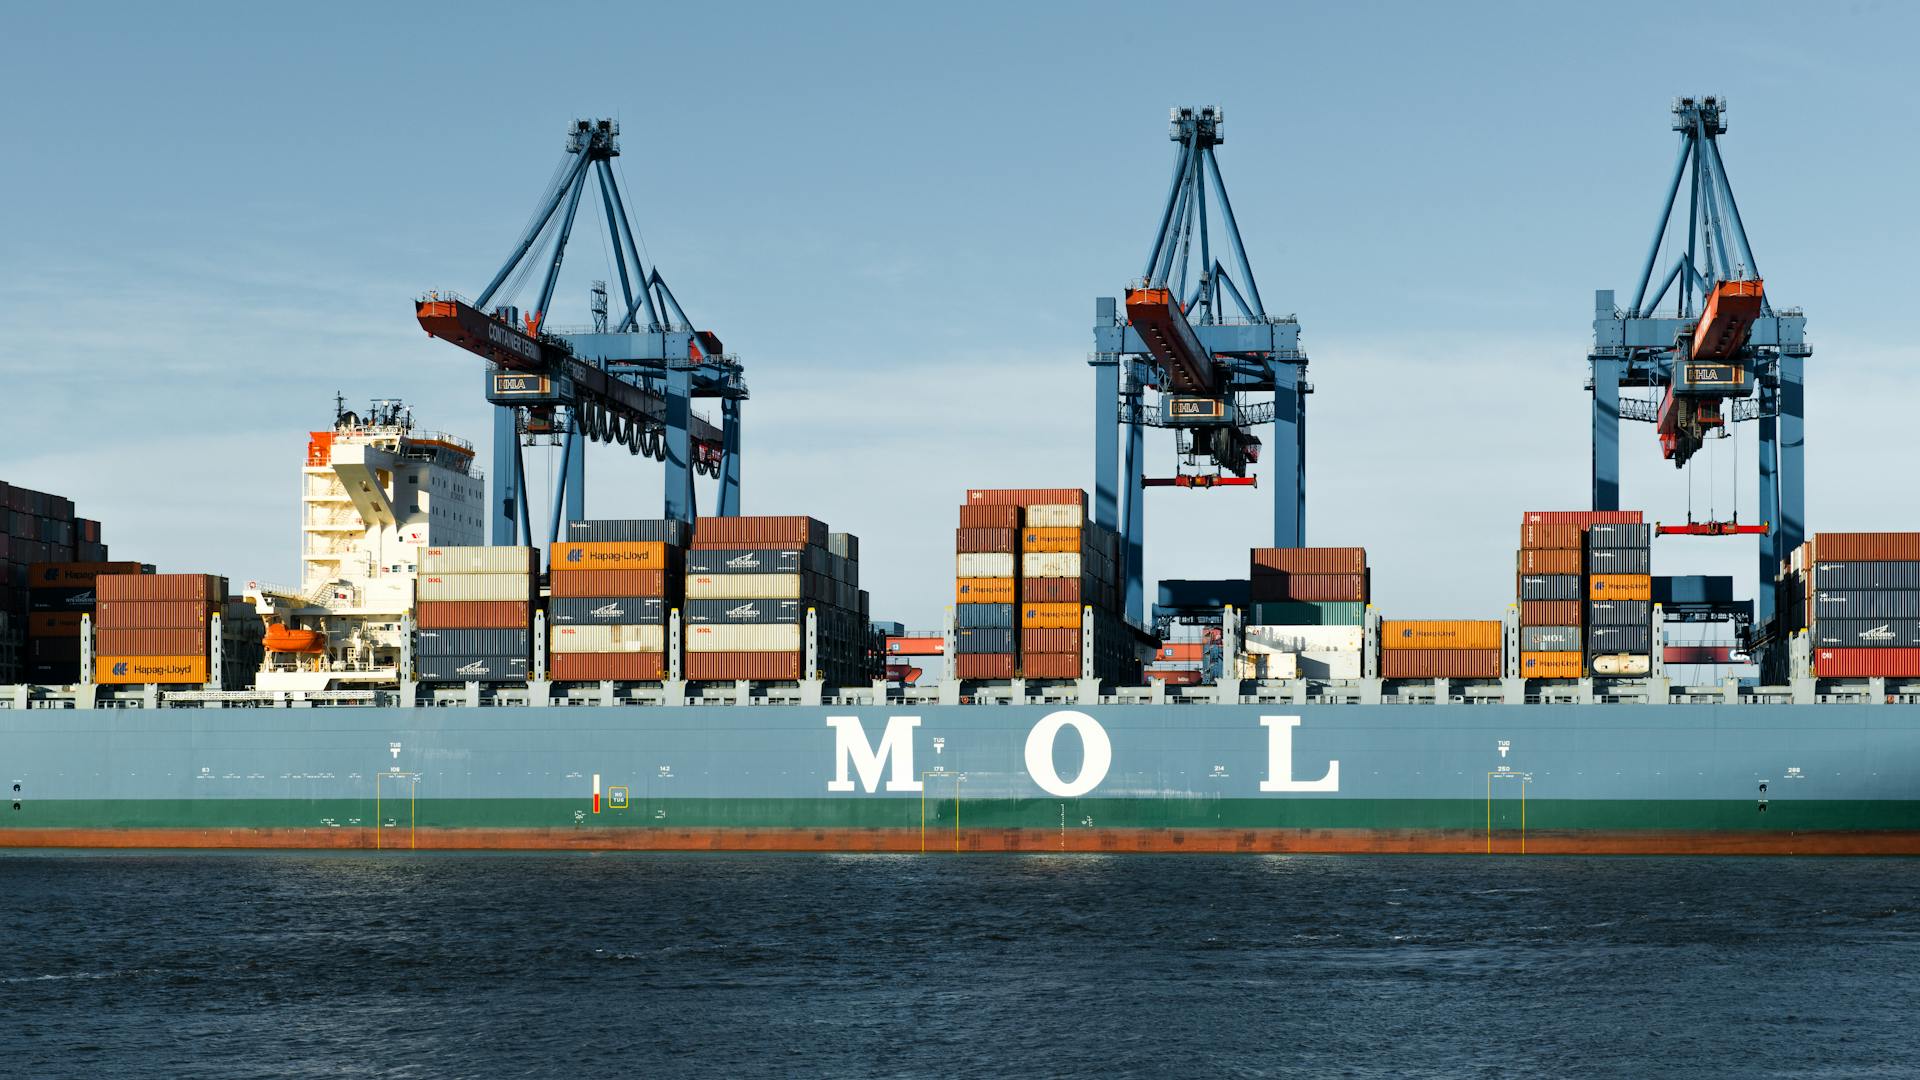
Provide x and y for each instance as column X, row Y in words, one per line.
column 629, row 381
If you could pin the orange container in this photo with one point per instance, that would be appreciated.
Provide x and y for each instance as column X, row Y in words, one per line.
column 151, row 614
column 988, row 516
column 1440, row 663
column 1351, row 560
column 1557, row 535
column 984, row 665
column 985, row 540
column 1620, row 587
column 1549, row 561
column 983, row 590
column 1050, row 666
column 631, row 583
column 1051, row 540
column 151, row 642
column 1439, row 634
column 1050, row 641
column 1181, row 650
column 204, row 587
column 1050, row 616
column 573, row 556
column 1551, row 612
column 1550, row 665
column 1026, row 496
column 136, row 670
column 598, row 667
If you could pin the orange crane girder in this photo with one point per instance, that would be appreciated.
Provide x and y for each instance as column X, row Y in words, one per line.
column 1163, row 328
column 1726, row 319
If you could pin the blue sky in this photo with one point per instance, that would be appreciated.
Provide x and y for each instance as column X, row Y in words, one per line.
column 899, row 216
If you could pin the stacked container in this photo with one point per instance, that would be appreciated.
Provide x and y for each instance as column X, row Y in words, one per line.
column 1858, row 594
column 1308, row 613
column 1569, row 580
column 1441, row 649
column 610, row 588
column 986, row 613
column 59, row 596
column 154, row 628
column 750, row 584
column 1619, row 598
column 474, row 613
column 35, row 527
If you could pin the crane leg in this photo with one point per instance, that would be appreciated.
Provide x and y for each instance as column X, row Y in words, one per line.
column 1106, row 444
column 1289, row 457
column 1606, row 433
column 730, row 458
column 679, row 485
column 506, row 451
column 1791, row 529
column 1133, row 533
column 1771, row 551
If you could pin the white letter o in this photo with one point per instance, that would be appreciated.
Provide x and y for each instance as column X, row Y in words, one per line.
column 1096, row 759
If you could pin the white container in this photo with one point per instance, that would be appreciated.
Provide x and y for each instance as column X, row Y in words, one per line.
column 984, row 564
column 1050, row 564
column 1622, row 664
column 1268, row 666
column 475, row 587
column 744, row 638
column 1055, row 516
column 1313, row 664
column 743, row 586
column 607, row 639
column 1304, row 638
column 476, row 560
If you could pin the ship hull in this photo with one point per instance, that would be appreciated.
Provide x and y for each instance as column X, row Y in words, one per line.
column 1607, row 779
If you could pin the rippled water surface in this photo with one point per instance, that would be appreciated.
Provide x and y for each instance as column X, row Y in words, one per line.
column 667, row 965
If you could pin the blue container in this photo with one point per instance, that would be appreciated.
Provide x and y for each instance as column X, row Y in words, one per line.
column 984, row 640
column 984, row 616
column 606, row 611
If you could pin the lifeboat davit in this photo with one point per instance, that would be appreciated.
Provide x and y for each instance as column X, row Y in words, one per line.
column 282, row 639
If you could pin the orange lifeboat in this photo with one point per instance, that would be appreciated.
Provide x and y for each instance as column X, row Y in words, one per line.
column 281, row 639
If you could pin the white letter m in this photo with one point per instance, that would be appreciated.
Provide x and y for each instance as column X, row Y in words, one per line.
column 850, row 748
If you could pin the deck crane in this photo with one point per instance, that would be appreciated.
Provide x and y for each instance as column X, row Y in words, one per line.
column 1180, row 358
column 1721, row 354
column 629, row 381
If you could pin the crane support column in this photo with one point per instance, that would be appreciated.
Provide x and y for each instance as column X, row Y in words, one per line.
column 575, row 456
column 1106, row 425
column 1770, row 550
column 1289, row 456
column 1134, row 533
column 679, row 485
column 1791, row 528
column 506, row 452
column 729, row 504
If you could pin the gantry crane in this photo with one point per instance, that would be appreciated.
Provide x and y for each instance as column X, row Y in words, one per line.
column 1721, row 354
column 1179, row 359
column 629, row 381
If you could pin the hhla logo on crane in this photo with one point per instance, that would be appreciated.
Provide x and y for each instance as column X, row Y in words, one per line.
column 858, row 761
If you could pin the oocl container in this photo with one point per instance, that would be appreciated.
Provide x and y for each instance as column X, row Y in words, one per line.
column 607, row 639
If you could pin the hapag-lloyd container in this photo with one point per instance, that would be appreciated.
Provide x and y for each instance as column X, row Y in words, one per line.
column 749, row 638
column 1051, row 616
column 1036, row 539
column 68, row 575
column 983, row 565
column 473, row 615
column 1552, row 665
column 476, row 586
column 1051, row 515
column 1440, row 634
column 613, row 555
column 440, row 561
column 607, row 639
column 1620, row 587
column 983, row 590
column 1304, row 638
column 132, row 670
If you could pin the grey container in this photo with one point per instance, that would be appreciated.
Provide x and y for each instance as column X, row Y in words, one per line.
column 746, row 561
column 1866, row 633
column 1619, row 639
column 845, row 545
column 1619, row 612
column 473, row 642
column 1866, row 575
column 1550, row 639
column 1620, row 535
column 737, row 612
column 631, row 531
column 606, row 611
column 1619, row 561
column 1866, row 604
column 984, row 640
column 470, row 668
column 1550, row 587
column 994, row 616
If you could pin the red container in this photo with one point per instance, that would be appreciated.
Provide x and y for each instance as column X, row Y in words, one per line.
column 160, row 587
column 600, row 667
column 729, row 666
column 1080, row 590
column 1552, row 535
column 151, row 614
column 1440, row 663
column 1326, row 588
column 1050, row 665
column 985, row 540
column 1348, row 560
column 710, row 533
column 1035, row 640
column 1866, row 547
column 984, row 665
column 1026, row 497
column 1865, row 663
column 150, row 642
column 1582, row 518
column 1549, row 560
column 633, row 583
column 473, row 615
column 1550, row 613
column 990, row 516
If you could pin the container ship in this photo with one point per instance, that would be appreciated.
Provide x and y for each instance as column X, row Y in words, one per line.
column 720, row 681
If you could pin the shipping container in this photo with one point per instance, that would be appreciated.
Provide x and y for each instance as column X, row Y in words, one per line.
column 1307, row 613
column 759, row 532
column 54, row 623
column 473, row 614
column 1854, row 576
column 517, row 587
column 187, row 642
column 1552, row 665
column 1054, row 516
column 1620, row 612
column 1550, row 587
column 1056, row 640
column 573, row 555
column 607, row 639
column 151, row 614
column 844, row 545
column 1050, row 666
column 1612, row 561
column 1621, row 664
column 1867, row 633
column 67, row 575
column 76, row 599
column 1441, row 663
column 646, row 530
column 984, row 565
column 989, row 517
column 607, row 667
column 1866, row 604
column 1551, row 535
column 1866, row 547
column 161, row 587
column 984, row 665
column 443, row 561
column 1866, row 663
column 1053, row 540
column 749, row 587
column 1440, row 634
column 1304, row 638
column 736, row 611
column 1605, row 534
column 1050, row 564
column 1281, row 585
column 67, row 649
column 1619, row 639
column 1024, row 497
column 470, row 668
column 1620, row 587
column 1543, row 639
column 980, row 639
column 979, row 590
column 456, row 642
column 749, row 561
column 1549, row 561
column 1316, row 560
column 981, row 540
column 1050, row 616
column 984, row 615
column 1582, row 518
column 1324, row 664
column 1174, row 676
column 586, row 584
column 733, row 666
column 744, row 638
column 136, row 670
